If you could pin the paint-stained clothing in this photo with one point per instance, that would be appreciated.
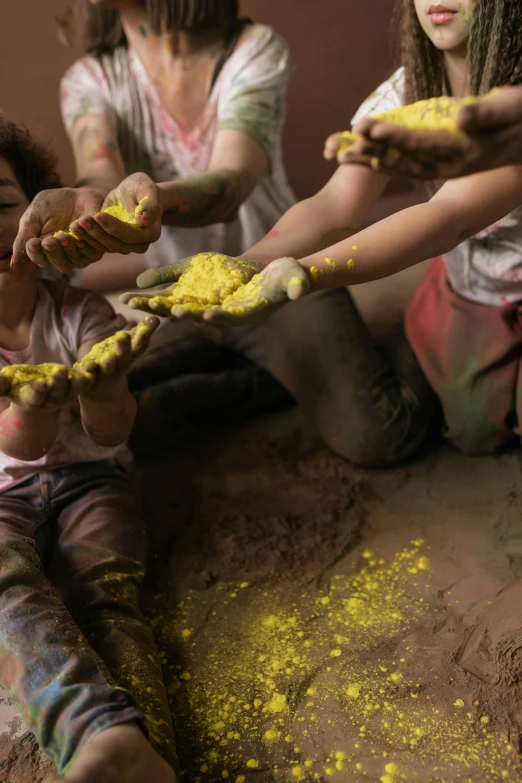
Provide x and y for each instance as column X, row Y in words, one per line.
column 76, row 655
column 75, row 652
column 249, row 95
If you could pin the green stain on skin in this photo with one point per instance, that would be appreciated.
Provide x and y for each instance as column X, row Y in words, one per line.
column 143, row 31
column 461, row 10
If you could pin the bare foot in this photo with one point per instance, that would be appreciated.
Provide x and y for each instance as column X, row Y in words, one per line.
column 118, row 755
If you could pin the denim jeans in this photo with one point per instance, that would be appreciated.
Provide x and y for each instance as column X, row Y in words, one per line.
column 76, row 654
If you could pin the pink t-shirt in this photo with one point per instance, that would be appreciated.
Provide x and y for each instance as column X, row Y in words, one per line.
column 64, row 319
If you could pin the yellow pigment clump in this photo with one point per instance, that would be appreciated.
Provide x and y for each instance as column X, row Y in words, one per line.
column 429, row 115
column 104, row 350
column 22, row 374
column 213, row 281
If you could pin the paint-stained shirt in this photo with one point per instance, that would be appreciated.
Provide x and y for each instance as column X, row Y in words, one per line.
column 249, row 95
column 64, row 319
column 486, row 268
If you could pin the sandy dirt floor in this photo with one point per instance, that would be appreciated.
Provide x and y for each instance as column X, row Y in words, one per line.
column 319, row 622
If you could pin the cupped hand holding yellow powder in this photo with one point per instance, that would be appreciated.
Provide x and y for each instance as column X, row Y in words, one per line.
column 221, row 290
column 42, row 385
column 433, row 114
column 114, row 356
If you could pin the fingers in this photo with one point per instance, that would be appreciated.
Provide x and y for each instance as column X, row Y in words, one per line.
column 170, row 273
column 58, row 386
column 504, row 108
column 119, row 357
column 141, row 334
column 331, row 146
column 29, row 228
column 31, row 395
column 146, row 304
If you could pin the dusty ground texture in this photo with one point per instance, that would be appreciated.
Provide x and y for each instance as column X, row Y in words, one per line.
column 320, row 622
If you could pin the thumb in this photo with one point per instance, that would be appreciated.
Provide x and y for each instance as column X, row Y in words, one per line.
column 170, row 273
column 30, row 227
column 295, row 279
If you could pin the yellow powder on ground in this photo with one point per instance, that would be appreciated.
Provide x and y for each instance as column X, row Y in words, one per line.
column 432, row 114
column 22, row 374
column 268, row 660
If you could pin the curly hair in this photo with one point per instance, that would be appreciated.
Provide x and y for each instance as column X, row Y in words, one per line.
column 33, row 165
column 494, row 50
column 104, row 31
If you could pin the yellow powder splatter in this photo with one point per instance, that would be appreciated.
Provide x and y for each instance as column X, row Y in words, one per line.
column 252, row 764
column 331, row 263
column 336, row 653
column 350, row 263
column 380, row 602
column 185, row 676
column 314, row 273
column 458, row 703
column 277, row 703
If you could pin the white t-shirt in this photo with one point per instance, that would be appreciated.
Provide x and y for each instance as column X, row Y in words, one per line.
column 486, row 268
column 64, row 319
column 249, row 95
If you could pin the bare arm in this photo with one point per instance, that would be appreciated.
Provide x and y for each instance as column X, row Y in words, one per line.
column 458, row 211
column 336, row 211
column 30, row 413
column 27, row 435
column 99, row 163
column 236, row 167
column 107, row 407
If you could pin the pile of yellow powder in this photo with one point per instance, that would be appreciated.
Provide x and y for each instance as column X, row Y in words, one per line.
column 213, row 281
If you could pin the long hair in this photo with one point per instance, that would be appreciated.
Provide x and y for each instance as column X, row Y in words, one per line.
column 494, row 50
column 104, row 31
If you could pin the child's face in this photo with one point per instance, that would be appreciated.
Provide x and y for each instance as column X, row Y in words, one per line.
column 447, row 24
column 13, row 203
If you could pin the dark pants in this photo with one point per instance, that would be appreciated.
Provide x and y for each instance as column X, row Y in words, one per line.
column 76, row 655
column 370, row 403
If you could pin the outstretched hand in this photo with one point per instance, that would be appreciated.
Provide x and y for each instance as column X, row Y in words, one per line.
column 492, row 138
column 70, row 228
column 262, row 291
column 45, row 387
column 109, row 361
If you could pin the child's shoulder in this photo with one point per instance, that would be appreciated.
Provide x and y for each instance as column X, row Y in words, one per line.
column 73, row 306
column 388, row 95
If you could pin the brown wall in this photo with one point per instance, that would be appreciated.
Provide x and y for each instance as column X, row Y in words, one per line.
column 340, row 47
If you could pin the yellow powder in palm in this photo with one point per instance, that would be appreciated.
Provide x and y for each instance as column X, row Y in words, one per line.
column 22, row 374
column 120, row 212
column 103, row 350
column 432, row 114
